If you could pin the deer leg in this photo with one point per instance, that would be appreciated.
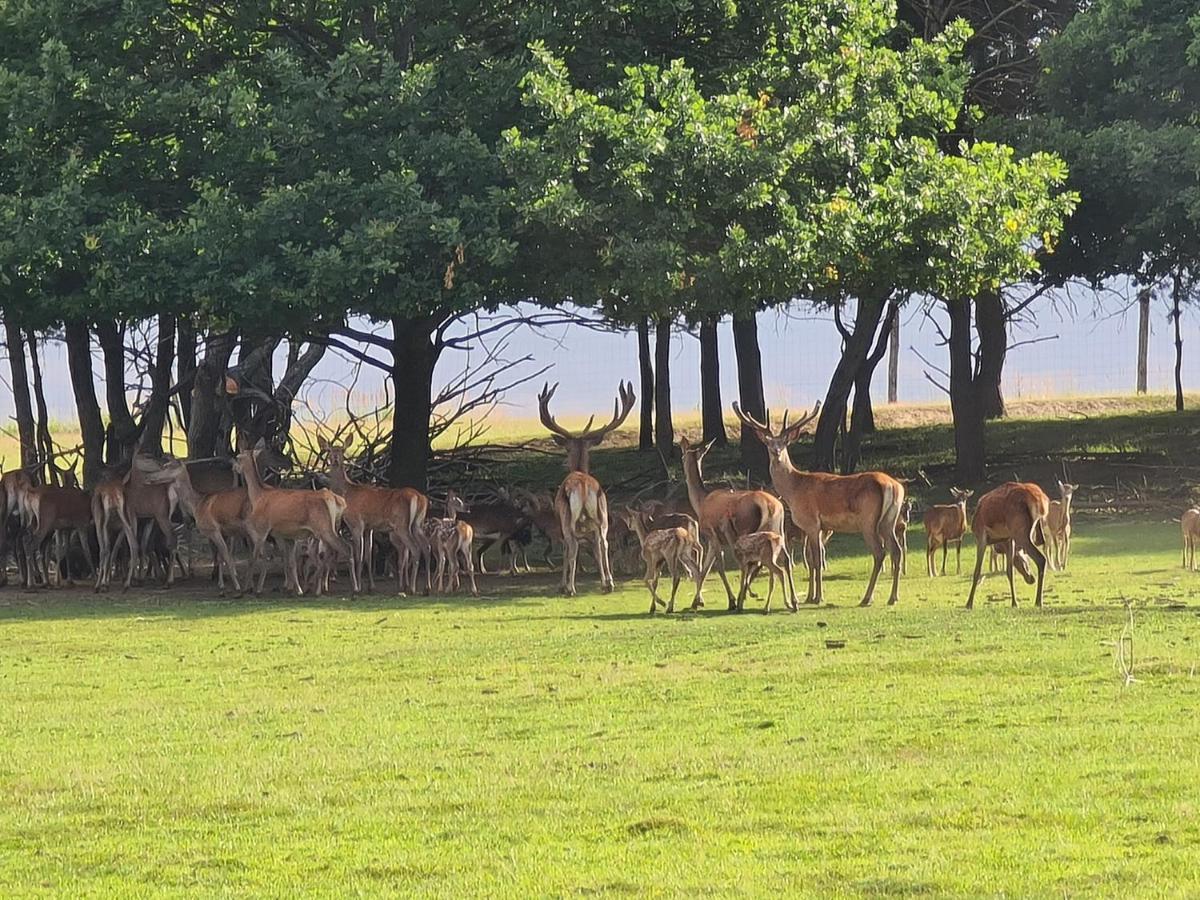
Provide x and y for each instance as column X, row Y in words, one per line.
column 958, row 558
column 470, row 564
column 102, row 549
column 980, row 549
column 894, row 550
column 724, row 577
column 602, row 560
column 224, row 561
column 369, row 556
column 1012, row 591
column 945, row 549
column 651, row 579
column 260, row 547
column 875, row 547
column 85, row 545
column 706, row 564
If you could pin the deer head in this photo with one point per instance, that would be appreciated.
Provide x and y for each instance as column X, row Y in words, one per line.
column 1066, row 491
column 777, row 442
column 578, row 443
column 455, row 505
column 960, row 496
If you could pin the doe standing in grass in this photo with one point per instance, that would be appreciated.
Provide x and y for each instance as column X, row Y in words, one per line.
column 946, row 524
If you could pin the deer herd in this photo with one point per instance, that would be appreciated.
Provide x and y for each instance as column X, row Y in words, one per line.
column 136, row 515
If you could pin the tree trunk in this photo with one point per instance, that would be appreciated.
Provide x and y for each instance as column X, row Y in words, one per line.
column 646, row 367
column 894, row 362
column 122, row 430
column 20, row 390
column 208, row 396
column 664, row 430
column 993, row 347
column 750, row 392
column 1177, row 315
column 711, row 413
column 854, row 354
column 155, row 416
column 1143, row 355
column 414, row 357
column 300, row 366
column 862, row 417
column 45, row 443
column 185, row 364
column 83, row 384
column 967, row 411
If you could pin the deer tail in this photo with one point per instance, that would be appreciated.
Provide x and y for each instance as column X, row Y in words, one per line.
column 889, row 513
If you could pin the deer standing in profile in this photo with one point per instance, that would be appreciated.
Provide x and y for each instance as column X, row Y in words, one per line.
column 580, row 502
column 398, row 512
column 676, row 547
column 291, row 515
column 724, row 515
column 1058, row 527
column 1190, row 525
column 946, row 524
column 764, row 549
column 1012, row 515
column 868, row 503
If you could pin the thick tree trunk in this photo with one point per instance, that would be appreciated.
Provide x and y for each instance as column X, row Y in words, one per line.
column 862, row 417
column 711, row 413
column 122, row 430
column 993, row 347
column 1177, row 315
column 646, row 368
column 45, row 443
column 967, row 411
column 83, row 384
column 20, row 388
column 185, row 364
column 854, row 353
column 750, row 392
column 300, row 366
column 414, row 356
column 1143, row 353
column 894, row 362
column 155, row 416
column 208, row 396
column 664, row 429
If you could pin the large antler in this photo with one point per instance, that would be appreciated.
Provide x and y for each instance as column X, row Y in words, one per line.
column 621, row 409
column 763, row 429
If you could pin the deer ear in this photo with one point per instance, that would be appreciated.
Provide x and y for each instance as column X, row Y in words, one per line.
column 322, row 444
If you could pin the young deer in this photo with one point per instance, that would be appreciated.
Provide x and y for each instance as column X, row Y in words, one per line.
column 452, row 539
column 676, row 547
column 1058, row 527
column 291, row 515
column 581, row 503
column 724, row 516
column 1190, row 525
column 764, row 549
column 219, row 516
column 397, row 511
column 1013, row 515
column 946, row 524
column 868, row 503
column 902, row 523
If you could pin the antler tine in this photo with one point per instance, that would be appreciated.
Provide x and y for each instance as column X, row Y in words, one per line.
column 621, row 407
column 544, row 411
column 803, row 420
column 748, row 420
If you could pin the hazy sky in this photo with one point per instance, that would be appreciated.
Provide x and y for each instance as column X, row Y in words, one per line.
column 1094, row 353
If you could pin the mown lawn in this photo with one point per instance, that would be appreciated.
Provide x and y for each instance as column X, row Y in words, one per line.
column 526, row 745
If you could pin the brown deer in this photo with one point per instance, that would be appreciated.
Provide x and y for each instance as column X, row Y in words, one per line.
column 1190, row 525
column 53, row 510
column 765, row 549
column 219, row 516
column 452, row 539
column 499, row 523
column 676, row 547
column 945, row 524
column 1013, row 515
column 369, row 508
column 724, row 516
column 580, row 502
column 108, row 510
column 902, row 523
column 1058, row 527
column 151, row 502
column 291, row 515
column 868, row 503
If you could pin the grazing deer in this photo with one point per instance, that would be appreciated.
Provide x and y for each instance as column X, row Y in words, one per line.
column 1058, row 527
column 1190, row 524
column 868, row 503
column 946, row 524
column 764, row 549
column 53, row 510
column 452, row 539
column 724, row 516
column 902, row 523
column 219, row 516
column 676, row 547
column 580, row 502
column 291, row 515
column 1014, row 516
column 397, row 511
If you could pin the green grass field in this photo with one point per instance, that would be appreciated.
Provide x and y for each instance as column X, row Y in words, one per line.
column 528, row 745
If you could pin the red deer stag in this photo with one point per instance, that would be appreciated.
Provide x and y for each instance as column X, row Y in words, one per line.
column 581, row 504
column 868, row 503
column 725, row 515
column 1014, row 516
column 945, row 524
